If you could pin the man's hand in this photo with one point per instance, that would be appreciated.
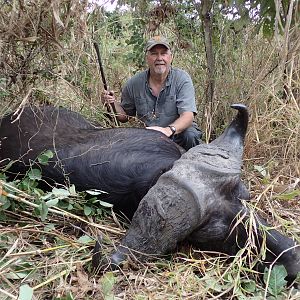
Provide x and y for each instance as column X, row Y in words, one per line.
column 182, row 123
column 112, row 105
column 165, row 130
column 108, row 97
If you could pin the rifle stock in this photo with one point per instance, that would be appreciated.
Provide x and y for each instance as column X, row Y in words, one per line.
column 111, row 107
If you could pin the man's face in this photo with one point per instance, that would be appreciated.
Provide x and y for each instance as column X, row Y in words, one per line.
column 159, row 59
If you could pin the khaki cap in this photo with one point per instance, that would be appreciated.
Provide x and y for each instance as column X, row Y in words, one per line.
column 157, row 40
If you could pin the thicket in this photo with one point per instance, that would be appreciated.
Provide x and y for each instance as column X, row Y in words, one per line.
column 47, row 56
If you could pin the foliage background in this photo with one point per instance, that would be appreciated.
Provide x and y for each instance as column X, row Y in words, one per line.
column 47, row 56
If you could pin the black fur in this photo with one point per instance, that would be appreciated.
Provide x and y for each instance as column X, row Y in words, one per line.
column 124, row 162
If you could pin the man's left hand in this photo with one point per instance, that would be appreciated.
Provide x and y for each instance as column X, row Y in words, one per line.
column 165, row 130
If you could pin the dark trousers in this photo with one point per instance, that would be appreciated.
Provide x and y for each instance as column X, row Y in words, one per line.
column 189, row 138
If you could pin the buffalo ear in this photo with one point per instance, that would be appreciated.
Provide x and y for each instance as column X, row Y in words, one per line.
column 235, row 190
column 242, row 192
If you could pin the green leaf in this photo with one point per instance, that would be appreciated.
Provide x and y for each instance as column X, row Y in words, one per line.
column 25, row 292
column 249, row 286
column 46, row 196
column 213, row 285
column 34, row 174
column 5, row 203
column 48, row 153
column 87, row 210
column 38, row 192
column 105, row 204
column 52, row 202
column 70, row 206
column 93, row 200
column 43, row 210
column 277, row 283
column 60, row 193
column 95, row 192
column 16, row 275
column 261, row 170
column 43, row 158
column 268, row 28
column 49, row 227
column 85, row 239
column 72, row 189
column 107, row 283
column 3, row 216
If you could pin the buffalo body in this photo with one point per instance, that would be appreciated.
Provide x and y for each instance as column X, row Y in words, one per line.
column 196, row 196
column 200, row 200
column 123, row 162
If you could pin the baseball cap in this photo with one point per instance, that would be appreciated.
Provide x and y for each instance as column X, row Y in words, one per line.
column 157, row 40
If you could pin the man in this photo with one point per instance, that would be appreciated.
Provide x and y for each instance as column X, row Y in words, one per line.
column 162, row 97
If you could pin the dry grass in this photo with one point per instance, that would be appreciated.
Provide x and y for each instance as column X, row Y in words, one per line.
column 51, row 258
column 47, row 55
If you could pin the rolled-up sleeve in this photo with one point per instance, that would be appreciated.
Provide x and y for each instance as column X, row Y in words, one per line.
column 127, row 101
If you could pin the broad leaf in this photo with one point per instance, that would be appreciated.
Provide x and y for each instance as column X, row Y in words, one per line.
column 249, row 286
column 276, row 283
column 43, row 158
column 95, row 192
column 107, row 283
column 87, row 210
column 43, row 211
column 35, row 174
column 16, row 275
column 52, row 202
column 262, row 170
column 25, row 293
column 72, row 189
column 105, row 204
column 60, row 193
column 85, row 239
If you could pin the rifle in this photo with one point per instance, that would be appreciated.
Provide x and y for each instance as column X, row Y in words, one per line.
column 111, row 107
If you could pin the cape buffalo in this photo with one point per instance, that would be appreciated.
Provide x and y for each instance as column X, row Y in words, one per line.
column 198, row 200
column 123, row 162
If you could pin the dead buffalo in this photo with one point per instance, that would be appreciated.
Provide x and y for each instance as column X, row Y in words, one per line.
column 124, row 162
column 199, row 200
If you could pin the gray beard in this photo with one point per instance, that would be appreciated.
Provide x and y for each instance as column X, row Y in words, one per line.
column 160, row 69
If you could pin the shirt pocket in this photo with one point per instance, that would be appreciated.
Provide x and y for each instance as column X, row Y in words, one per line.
column 141, row 107
column 170, row 107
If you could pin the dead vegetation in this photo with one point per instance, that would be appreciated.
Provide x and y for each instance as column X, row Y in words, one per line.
column 47, row 57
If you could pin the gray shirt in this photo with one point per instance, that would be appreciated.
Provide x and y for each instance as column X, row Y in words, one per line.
column 176, row 97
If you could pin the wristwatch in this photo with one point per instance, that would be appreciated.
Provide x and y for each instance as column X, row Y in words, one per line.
column 173, row 129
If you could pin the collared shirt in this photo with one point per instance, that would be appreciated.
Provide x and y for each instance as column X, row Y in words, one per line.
column 177, row 96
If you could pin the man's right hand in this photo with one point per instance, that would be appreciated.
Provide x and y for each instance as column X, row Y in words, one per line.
column 108, row 97
column 113, row 106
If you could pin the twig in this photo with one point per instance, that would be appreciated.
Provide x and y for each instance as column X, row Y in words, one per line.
column 10, row 250
column 8, row 294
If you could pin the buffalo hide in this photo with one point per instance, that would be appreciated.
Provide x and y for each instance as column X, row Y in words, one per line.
column 199, row 200
column 123, row 162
